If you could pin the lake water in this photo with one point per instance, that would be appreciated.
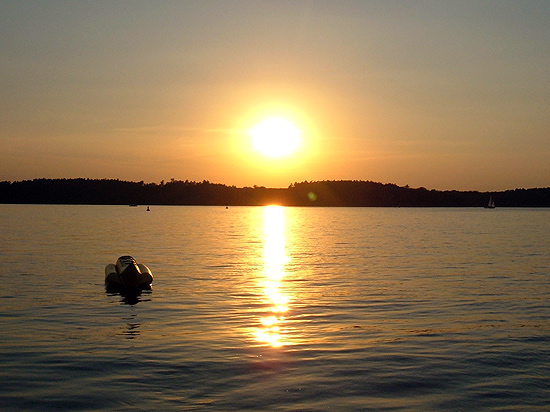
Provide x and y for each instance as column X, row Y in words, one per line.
column 276, row 309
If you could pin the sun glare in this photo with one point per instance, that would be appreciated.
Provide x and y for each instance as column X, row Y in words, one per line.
column 275, row 137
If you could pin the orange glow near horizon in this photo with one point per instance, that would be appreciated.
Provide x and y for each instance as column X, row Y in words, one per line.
column 277, row 144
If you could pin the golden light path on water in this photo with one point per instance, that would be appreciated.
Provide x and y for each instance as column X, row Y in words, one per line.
column 275, row 259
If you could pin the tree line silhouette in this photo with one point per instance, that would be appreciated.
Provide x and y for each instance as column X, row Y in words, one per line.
column 316, row 193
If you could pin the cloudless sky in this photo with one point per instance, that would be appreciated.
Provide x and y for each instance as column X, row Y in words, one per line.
column 440, row 94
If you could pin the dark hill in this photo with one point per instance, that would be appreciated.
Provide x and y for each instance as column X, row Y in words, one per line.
column 323, row 193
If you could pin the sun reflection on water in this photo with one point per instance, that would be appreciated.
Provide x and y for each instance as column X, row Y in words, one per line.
column 275, row 259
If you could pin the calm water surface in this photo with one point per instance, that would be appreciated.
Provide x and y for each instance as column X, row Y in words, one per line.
column 276, row 309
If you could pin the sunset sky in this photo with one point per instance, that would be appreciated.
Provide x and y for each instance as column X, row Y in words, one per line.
column 439, row 94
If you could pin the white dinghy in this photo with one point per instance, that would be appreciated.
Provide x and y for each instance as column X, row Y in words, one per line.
column 129, row 274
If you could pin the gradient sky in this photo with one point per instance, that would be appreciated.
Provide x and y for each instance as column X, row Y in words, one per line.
column 440, row 94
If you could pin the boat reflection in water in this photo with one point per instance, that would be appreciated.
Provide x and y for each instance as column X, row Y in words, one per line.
column 275, row 259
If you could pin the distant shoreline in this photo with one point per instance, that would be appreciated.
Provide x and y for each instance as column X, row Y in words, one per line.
column 346, row 193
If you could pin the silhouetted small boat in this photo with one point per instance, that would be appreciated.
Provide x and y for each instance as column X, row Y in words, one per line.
column 129, row 274
column 491, row 204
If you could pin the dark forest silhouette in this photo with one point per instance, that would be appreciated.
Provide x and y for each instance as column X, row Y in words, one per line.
column 320, row 193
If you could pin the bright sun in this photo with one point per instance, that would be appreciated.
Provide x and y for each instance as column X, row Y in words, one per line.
column 275, row 137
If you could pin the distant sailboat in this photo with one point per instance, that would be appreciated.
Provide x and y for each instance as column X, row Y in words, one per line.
column 491, row 204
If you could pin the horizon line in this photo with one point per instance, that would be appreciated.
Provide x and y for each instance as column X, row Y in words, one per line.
column 206, row 181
